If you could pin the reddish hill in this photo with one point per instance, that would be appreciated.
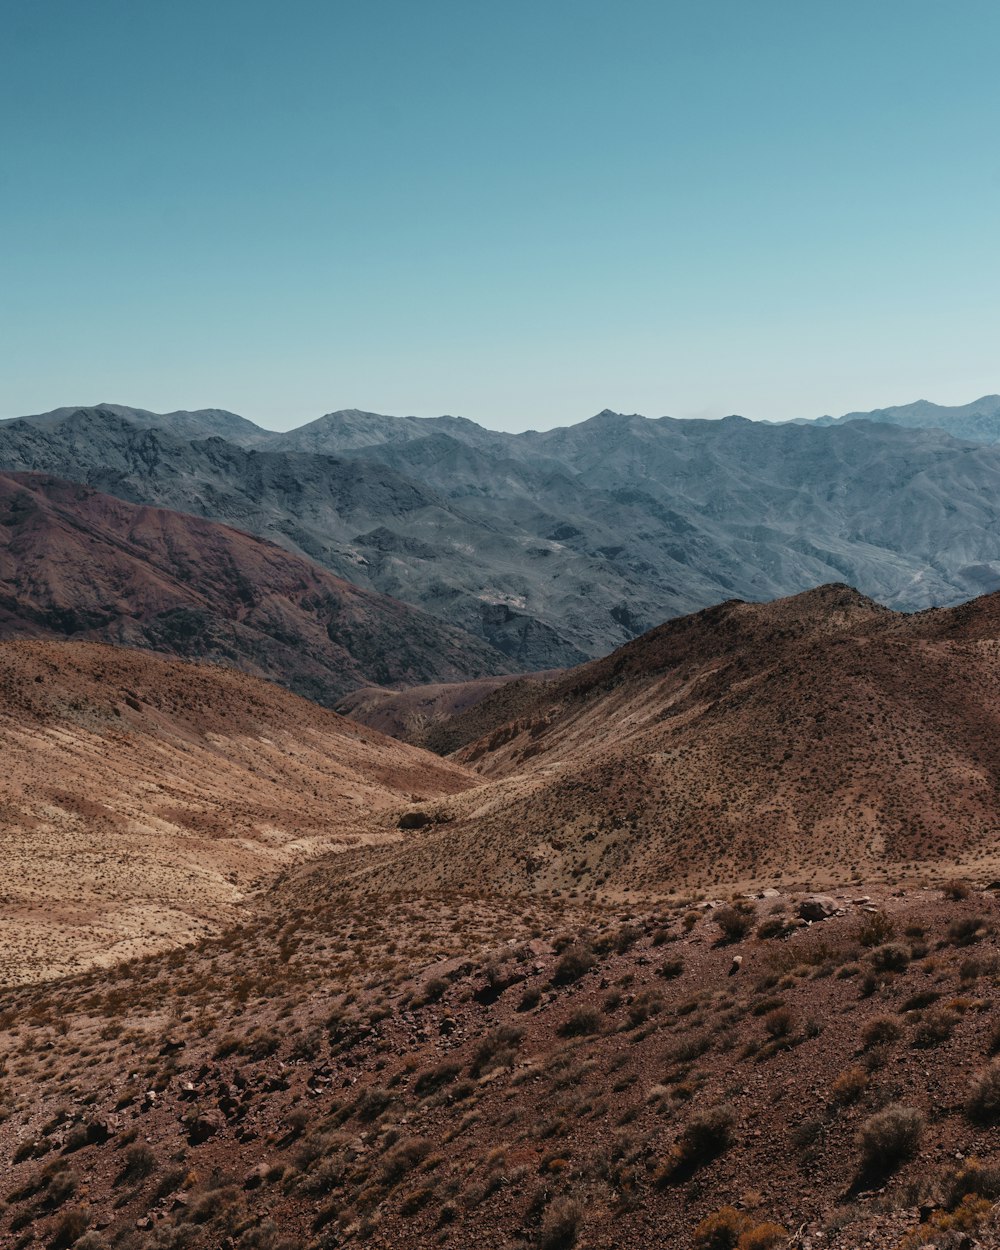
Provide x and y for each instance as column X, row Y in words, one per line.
column 78, row 564
column 816, row 738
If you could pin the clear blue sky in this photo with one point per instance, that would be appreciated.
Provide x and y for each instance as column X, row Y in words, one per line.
column 521, row 212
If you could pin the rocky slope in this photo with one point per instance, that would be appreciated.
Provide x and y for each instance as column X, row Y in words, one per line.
column 399, row 1072
column 78, row 564
column 762, row 743
column 144, row 800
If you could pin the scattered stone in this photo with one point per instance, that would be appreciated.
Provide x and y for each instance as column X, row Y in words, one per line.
column 202, row 1126
column 255, row 1177
column 818, row 907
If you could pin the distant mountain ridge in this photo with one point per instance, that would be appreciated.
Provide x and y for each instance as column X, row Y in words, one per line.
column 560, row 545
column 352, row 429
column 979, row 422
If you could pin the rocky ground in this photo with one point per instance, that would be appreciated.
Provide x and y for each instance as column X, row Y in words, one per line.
column 401, row 1071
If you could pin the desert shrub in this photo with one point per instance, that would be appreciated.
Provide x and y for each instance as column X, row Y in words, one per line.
column 779, row 1023
column 975, row 966
column 983, row 1103
column 890, row 1137
column 138, row 1162
column 971, row 1177
column 582, row 1023
column 920, row 1000
column 849, row 1085
column 772, row 927
column 90, row 1241
column 70, row 1228
column 721, row 1230
column 880, row 1031
column 416, row 1199
column 876, row 929
column 968, row 930
column 691, row 1046
column 763, row 1237
column 404, row 1157
column 432, row 1079
column 561, row 1224
column 371, row 1104
column 890, row 957
column 496, row 1049
column 434, row 990
column 706, row 1135
column 260, row 1044
column 574, row 962
column 529, row 999
column 956, row 889
column 934, row 1027
column 735, row 921
column 670, row 968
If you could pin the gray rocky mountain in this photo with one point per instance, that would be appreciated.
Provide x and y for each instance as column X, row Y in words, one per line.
column 559, row 545
column 202, row 423
column 979, row 421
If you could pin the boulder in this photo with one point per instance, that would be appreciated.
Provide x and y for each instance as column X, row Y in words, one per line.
column 818, row 907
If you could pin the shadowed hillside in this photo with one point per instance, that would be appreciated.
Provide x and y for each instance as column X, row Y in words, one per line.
column 78, row 564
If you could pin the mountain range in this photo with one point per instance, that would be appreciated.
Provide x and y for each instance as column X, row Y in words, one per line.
column 556, row 547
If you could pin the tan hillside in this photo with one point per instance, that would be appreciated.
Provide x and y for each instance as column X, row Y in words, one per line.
column 815, row 739
column 143, row 800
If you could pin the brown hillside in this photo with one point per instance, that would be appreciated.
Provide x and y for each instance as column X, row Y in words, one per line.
column 78, row 564
column 414, row 1072
column 445, row 715
column 817, row 738
column 142, row 800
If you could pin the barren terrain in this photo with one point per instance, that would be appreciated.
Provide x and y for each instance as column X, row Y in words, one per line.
column 752, row 744
column 278, row 982
column 144, row 800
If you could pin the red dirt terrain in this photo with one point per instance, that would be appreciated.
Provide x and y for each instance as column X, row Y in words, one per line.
column 143, row 799
column 77, row 564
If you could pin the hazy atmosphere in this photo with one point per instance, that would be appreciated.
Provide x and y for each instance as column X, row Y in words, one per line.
column 520, row 214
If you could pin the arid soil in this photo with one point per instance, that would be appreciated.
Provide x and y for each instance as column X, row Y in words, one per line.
column 401, row 1072
column 144, row 800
